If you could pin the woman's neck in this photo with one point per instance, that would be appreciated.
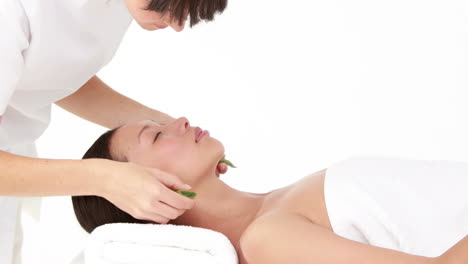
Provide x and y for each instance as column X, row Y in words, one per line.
column 223, row 209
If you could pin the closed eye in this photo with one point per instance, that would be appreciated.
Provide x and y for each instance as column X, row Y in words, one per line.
column 157, row 135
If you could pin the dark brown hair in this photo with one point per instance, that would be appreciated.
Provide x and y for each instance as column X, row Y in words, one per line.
column 93, row 211
column 197, row 9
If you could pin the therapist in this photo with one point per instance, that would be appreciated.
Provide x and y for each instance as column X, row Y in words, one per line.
column 50, row 51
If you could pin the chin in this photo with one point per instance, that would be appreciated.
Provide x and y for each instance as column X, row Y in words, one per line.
column 218, row 147
column 214, row 150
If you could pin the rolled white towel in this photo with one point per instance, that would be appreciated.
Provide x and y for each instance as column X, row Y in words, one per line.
column 161, row 244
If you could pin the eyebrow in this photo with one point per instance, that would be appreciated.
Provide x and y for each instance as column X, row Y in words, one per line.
column 141, row 131
column 159, row 124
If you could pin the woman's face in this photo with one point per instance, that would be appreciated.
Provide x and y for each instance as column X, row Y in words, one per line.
column 151, row 20
column 172, row 148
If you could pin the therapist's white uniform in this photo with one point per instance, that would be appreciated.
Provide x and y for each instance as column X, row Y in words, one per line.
column 48, row 50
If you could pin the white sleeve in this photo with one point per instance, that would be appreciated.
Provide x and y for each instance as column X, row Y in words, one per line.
column 14, row 40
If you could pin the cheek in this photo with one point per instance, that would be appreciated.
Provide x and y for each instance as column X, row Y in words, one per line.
column 209, row 154
column 176, row 155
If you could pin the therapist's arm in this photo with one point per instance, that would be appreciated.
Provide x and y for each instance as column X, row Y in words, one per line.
column 95, row 101
column 24, row 176
column 142, row 192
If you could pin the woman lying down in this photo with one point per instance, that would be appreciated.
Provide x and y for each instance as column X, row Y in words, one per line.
column 361, row 210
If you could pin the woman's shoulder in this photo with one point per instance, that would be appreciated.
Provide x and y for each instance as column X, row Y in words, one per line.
column 271, row 231
column 256, row 230
column 304, row 198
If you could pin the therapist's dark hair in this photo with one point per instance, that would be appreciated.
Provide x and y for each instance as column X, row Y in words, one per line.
column 93, row 211
column 197, row 10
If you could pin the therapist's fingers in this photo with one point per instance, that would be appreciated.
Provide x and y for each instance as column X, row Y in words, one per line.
column 156, row 218
column 221, row 168
column 167, row 213
column 176, row 200
column 162, row 213
column 171, row 181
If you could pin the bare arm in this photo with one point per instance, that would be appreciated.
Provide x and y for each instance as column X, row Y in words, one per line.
column 285, row 238
column 97, row 102
column 138, row 190
column 23, row 176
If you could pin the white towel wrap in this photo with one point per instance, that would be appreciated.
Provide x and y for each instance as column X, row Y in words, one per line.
column 415, row 206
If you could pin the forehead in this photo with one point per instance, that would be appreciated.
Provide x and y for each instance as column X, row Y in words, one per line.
column 126, row 137
column 133, row 128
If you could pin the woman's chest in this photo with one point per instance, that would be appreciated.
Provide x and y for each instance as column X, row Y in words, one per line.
column 305, row 197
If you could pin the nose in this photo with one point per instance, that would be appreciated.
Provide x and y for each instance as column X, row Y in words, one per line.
column 181, row 125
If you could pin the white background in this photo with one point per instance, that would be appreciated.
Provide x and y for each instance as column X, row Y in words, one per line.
column 289, row 87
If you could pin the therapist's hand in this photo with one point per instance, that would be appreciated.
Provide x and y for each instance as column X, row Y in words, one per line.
column 222, row 168
column 144, row 193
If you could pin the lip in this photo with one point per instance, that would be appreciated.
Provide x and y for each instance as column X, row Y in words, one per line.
column 160, row 27
column 199, row 134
